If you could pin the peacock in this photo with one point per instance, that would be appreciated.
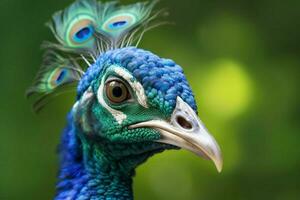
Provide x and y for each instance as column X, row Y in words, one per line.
column 130, row 103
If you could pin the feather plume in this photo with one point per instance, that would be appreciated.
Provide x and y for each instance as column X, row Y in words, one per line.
column 56, row 75
column 91, row 27
column 83, row 31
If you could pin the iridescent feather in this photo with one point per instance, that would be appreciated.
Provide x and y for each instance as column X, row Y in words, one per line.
column 91, row 27
column 74, row 27
column 55, row 76
column 83, row 31
column 120, row 26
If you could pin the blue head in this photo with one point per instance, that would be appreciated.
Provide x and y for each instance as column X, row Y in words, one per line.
column 132, row 104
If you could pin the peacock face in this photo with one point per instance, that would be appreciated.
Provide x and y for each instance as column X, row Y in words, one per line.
column 130, row 103
column 133, row 103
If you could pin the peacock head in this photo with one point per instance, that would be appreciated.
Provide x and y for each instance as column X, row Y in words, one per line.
column 132, row 104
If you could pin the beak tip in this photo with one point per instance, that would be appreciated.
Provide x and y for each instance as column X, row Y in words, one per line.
column 219, row 168
column 219, row 164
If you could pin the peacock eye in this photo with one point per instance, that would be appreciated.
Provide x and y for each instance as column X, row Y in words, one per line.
column 59, row 77
column 119, row 22
column 83, row 34
column 81, row 31
column 116, row 91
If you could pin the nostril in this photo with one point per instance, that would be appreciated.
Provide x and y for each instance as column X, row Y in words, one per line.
column 184, row 123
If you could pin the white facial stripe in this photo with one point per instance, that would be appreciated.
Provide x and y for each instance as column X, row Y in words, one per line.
column 136, row 86
column 84, row 101
column 118, row 115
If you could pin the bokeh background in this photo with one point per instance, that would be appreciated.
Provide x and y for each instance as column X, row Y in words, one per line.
column 242, row 58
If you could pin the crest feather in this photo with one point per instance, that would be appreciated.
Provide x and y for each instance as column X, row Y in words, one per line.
column 91, row 27
column 83, row 31
column 74, row 27
column 55, row 75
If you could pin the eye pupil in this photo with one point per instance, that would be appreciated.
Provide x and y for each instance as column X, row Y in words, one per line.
column 61, row 76
column 119, row 24
column 83, row 34
column 117, row 91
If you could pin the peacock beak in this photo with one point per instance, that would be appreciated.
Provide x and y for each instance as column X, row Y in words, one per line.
column 186, row 130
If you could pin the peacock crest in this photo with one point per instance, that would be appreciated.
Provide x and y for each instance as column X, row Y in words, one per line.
column 83, row 31
column 130, row 105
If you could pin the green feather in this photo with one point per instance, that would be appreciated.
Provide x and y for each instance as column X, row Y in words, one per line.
column 80, row 16
column 88, row 27
column 55, row 75
column 84, row 30
column 120, row 22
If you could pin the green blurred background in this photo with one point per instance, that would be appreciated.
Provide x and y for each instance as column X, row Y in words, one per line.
column 242, row 59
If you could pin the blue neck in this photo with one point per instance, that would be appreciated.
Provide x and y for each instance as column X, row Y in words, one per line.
column 89, row 175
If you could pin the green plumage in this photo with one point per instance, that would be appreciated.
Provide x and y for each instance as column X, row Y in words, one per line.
column 130, row 104
column 55, row 75
column 106, row 25
column 118, row 23
column 85, row 30
column 66, row 23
